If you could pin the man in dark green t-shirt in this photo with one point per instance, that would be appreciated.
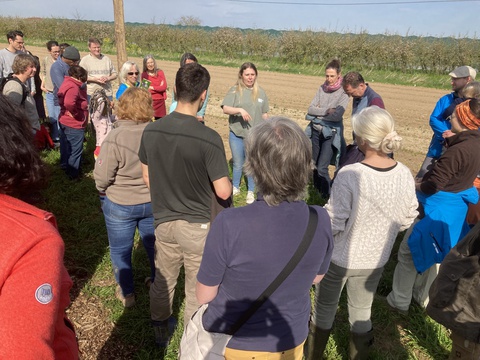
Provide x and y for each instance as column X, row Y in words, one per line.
column 182, row 160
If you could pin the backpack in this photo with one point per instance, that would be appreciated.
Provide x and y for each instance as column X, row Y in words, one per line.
column 11, row 77
column 101, row 115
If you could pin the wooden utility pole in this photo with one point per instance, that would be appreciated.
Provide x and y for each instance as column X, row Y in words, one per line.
column 119, row 19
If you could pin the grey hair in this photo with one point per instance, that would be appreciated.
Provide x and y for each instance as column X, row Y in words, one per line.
column 145, row 59
column 377, row 127
column 278, row 157
column 125, row 69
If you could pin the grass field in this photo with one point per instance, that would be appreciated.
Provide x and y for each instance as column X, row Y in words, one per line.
column 107, row 331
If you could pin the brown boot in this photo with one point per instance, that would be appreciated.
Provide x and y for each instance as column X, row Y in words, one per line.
column 360, row 345
column 316, row 342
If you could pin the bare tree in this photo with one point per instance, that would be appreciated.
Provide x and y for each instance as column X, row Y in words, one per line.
column 189, row 21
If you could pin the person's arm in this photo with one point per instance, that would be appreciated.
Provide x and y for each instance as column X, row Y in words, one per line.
column 163, row 83
column 437, row 122
column 230, row 110
column 316, row 108
column 339, row 205
column 146, row 179
column 31, row 302
column 57, row 75
column 223, row 187
column 107, row 163
column 205, row 293
column 444, row 169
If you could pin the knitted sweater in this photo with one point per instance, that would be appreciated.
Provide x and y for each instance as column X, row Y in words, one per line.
column 118, row 170
column 368, row 207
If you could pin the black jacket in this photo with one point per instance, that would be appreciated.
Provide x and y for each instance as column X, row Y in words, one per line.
column 455, row 293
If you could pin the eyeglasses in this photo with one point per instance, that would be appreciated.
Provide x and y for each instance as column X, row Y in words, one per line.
column 133, row 73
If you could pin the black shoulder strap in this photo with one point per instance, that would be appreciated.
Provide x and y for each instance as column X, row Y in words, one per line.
column 299, row 253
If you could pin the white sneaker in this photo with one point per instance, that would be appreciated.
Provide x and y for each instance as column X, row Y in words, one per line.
column 250, row 197
column 236, row 191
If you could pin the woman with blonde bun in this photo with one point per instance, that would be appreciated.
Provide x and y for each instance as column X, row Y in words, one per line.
column 370, row 203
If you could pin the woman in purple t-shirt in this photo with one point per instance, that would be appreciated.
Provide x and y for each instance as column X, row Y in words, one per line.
column 240, row 261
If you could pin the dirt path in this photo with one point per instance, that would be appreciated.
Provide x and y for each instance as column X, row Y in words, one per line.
column 289, row 95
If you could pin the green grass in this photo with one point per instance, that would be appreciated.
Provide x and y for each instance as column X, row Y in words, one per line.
column 81, row 224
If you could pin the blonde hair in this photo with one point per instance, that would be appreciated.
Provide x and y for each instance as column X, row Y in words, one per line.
column 135, row 104
column 241, row 85
column 377, row 127
column 471, row 90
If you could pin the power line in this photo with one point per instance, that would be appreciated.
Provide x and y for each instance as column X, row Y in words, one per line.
column 352, row 4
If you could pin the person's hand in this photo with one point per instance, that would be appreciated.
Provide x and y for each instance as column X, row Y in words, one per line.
column 330, row 111
column 151, row 88
column 447, row 134
column 245, row 115
column 102, row 80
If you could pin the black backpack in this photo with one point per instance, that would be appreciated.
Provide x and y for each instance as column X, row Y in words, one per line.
column 11, row 77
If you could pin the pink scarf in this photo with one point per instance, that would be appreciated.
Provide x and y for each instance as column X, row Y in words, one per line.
column 331, row 88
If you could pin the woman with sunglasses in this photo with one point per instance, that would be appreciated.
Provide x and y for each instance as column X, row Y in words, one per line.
column 128, row 75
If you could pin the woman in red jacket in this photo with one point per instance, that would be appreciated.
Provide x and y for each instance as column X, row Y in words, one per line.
column 72, row 97
column 34, row 284
column 157, row 85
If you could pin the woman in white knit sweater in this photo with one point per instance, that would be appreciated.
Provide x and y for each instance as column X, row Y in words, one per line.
column 370, row 203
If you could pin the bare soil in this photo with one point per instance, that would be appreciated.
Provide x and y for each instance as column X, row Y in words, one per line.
column 289, row 95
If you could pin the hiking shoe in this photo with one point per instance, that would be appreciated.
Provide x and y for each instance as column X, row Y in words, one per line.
column 250, row 197
column 163, row 331
column 127, row 301
column 235, row 191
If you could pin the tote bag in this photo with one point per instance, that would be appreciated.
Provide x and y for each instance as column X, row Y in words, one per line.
column 200, row 344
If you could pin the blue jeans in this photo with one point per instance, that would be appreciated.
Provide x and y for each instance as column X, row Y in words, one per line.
column 238, row 156
column 121, row 222
column 53, row 112
column 71, row 148
column 322, row 153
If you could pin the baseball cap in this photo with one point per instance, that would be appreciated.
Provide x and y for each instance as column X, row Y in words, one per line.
column 463, row 71
column 71, row 53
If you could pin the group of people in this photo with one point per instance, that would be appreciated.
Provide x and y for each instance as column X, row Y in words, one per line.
column 169, row 178
column 373, row 198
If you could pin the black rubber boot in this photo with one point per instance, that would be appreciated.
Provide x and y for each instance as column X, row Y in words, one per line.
column 360, row 345
column 316, row 342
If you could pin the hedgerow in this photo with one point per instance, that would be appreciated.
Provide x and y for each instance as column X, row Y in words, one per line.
column 360, row 51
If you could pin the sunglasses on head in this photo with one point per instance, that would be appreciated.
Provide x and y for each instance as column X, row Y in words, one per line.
column 133, row 73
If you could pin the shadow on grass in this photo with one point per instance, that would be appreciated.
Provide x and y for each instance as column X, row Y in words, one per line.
column 76, row 207
column 132, row 336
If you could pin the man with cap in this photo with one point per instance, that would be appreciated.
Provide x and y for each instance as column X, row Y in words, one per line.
column 443, row 194
column 58, row 71
column 439, row 119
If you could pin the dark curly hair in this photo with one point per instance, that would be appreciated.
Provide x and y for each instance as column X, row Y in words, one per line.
column 22, row 171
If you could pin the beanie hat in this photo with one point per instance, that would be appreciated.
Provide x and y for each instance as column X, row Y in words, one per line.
column 466, row 117
column 71, row 53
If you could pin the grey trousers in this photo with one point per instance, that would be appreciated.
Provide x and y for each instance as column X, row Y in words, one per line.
column 361, row 287
column 407, row 282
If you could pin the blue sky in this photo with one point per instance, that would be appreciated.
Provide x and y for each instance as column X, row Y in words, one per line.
column 458, row 18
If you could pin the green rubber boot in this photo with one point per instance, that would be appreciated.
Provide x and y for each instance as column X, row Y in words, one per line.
column 360, row 345
column 316, row 342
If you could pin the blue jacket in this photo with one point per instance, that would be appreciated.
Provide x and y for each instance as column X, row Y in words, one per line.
column 439, row 124
column 442, row 226
column 58, row 71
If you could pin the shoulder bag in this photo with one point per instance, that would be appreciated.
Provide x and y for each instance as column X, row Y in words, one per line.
column 200, row 344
